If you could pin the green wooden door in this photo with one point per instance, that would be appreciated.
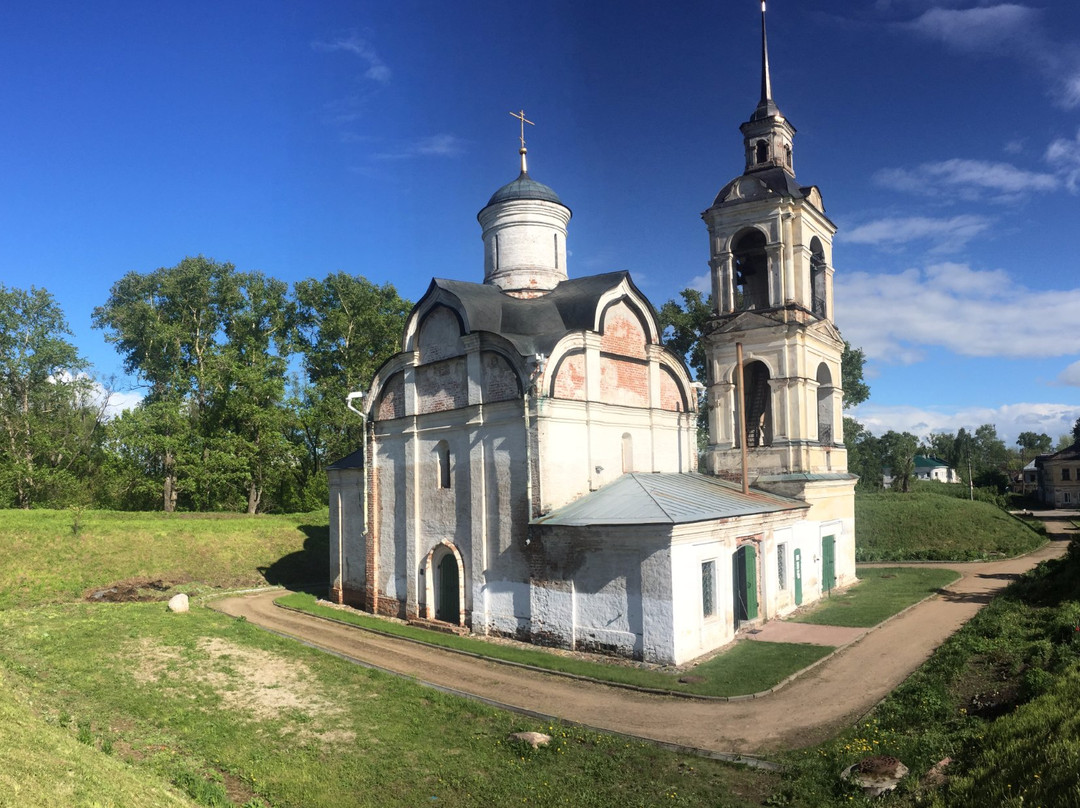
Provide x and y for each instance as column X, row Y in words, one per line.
column 744, row 584
column 828, row 563
column 798, row 577
column 447, row 603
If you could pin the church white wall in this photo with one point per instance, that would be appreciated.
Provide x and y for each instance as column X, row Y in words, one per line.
column 576, row 437
column 604, row 589
column 348, row 570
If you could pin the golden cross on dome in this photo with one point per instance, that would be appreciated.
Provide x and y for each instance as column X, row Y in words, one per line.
column 520, row 115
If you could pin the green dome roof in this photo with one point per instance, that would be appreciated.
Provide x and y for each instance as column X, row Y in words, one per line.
column 524, row 187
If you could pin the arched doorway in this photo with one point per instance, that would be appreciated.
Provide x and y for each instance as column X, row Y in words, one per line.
column 447, row 585
column 757, row 404
column 444, row 590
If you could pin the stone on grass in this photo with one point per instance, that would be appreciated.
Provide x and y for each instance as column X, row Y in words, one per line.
column 533, row 739
column 178, row 603
column 876, row 774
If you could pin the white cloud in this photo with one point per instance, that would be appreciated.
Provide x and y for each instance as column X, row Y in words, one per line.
column 895, row 318
column 946, row 234
column 1011, row 419
column 984, row 29
column 968, row 179
column 701, row 283
column 118, row 402
column 1006, row 29
column 1064, row 156
column 376, row 70
column 1071, row 375
column 441, row 145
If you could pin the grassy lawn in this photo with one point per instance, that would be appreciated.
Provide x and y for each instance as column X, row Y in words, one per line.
column 998, row 698
column 237, row 716
column 50, row 766
column 880, row 593
column 930, row 527
column 745, row 667
column 50, row 556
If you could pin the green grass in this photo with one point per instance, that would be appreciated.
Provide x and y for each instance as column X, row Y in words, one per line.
column 237, row 716
column 998, row 697
column 930, row 527
column 744, row 668
column 51, row 766
column 880, row 593
column 44, row 558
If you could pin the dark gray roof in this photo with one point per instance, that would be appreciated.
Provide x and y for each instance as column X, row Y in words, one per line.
column 666, row 499
column 1068, row 453
column 524, row 187
column 352, row 461
column 533, row 325
column 762, row 185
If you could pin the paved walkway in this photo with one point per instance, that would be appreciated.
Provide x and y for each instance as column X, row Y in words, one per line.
column 826, row 697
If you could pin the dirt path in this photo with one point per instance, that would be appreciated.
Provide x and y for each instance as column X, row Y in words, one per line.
column 808, row 710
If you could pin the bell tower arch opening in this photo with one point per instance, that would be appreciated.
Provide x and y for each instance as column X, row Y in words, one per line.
column 757, row 403
column 751, row 270
column 825, row 393
column 818, row 292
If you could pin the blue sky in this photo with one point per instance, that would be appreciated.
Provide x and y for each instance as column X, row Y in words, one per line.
column 305, row 138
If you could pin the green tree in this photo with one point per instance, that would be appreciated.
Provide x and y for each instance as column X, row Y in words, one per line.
column 856, row 390
column 864, row 454
column 47, row 408
column 211, row 344
column 682, row 325
column 347, row 327
column 898, row 454
column 1076, row 431
column 1035, row 443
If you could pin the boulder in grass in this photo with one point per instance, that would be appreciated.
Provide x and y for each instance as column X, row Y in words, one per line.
column 533, row 739
column 876, row 775
column 178, row 603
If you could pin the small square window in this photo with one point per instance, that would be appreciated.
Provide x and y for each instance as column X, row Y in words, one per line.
column 708, row 588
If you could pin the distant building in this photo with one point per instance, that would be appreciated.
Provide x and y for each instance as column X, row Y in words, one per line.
column 933, row 468
column 926, row 468
column 1059, row 478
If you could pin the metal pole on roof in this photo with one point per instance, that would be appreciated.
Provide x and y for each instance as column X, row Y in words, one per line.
column 740, row 398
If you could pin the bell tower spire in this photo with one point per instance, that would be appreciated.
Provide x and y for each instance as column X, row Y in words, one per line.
column 767, row 135
column 766, row 108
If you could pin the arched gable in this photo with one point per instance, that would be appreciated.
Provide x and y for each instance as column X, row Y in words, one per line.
column 440, row 334
column 623, row 331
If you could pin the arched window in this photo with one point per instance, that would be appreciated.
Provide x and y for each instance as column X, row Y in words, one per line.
column 751, row 271
column 627, row 453
column 442, row 455
column 819, row 296
column 825, row 393
column 787, row 155
column 761, row 153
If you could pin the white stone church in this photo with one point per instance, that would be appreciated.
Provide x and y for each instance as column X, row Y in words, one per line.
column 530, row 462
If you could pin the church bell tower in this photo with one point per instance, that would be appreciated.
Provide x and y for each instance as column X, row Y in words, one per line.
column 770, row 246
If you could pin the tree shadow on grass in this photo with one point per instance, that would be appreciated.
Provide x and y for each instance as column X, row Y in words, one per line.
column 306, row 570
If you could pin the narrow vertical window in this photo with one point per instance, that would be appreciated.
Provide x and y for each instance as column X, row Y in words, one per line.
column 556, row 250
column 708, row 588
column 762, row 152
column 781, row 565
column 442, row 453
column 495, row 247
column 627, row 453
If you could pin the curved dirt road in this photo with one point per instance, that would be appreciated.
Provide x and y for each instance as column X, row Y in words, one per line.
column 811, row 708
